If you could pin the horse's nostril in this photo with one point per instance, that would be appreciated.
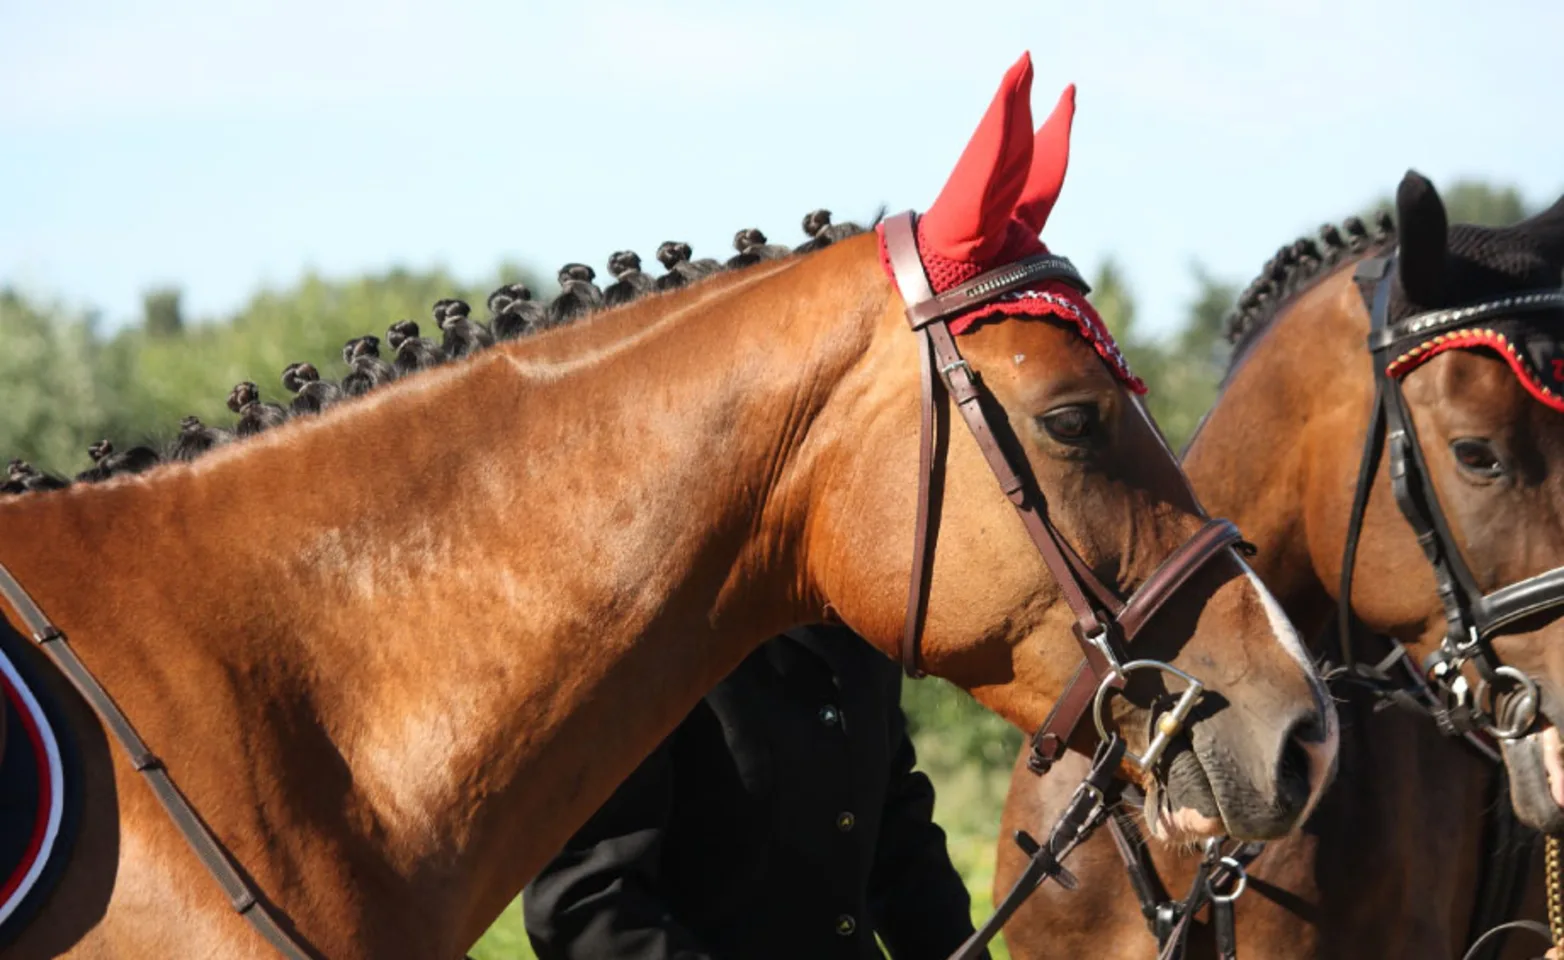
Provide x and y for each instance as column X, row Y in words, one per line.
column 1293, row 767
column 1311, row 730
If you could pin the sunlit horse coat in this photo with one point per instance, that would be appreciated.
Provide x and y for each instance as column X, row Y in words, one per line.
column 782, row 818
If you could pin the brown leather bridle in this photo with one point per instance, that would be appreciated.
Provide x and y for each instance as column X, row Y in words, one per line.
column 1104, row 624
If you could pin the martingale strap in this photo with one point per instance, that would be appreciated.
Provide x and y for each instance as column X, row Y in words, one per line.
column 1219, row 881
column 241, row 894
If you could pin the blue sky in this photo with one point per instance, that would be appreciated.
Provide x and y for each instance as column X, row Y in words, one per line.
column 222, row 146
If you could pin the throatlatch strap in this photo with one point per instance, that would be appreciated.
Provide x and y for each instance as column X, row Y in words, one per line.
column 931, row 477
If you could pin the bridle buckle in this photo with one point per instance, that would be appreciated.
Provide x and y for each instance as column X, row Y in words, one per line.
column 1099, row 799
column 1098, row 639
column 960, row 363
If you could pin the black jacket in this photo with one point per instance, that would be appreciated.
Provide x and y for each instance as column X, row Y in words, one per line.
column 781, row 819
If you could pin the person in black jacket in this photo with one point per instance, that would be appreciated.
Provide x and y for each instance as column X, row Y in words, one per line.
column 783, row 818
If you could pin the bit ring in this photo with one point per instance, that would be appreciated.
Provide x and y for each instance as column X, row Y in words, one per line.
column 1168, row 725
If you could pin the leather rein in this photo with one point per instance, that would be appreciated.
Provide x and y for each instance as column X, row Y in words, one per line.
column 1104, row 624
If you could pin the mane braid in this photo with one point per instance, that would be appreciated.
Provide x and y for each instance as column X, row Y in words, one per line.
column 193, row 438
column 1295, row 269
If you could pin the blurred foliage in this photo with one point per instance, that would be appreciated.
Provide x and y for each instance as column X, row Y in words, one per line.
column 54, row 387
column 1472, row 201
column 161, row 314
column 1182, row 370
column 63, row 386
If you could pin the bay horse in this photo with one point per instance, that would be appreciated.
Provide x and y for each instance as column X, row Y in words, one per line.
column 1388, row 865
column 395, row 653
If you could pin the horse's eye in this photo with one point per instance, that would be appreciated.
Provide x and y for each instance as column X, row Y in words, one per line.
column 1477, row 457
column 1076, row 423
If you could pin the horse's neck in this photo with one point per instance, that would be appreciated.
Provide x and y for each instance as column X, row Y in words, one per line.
column 1286, row 423
column 528, row 565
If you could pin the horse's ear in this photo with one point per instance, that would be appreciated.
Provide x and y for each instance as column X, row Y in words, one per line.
column 1424, row 235
column 1050, row 159
column 970, row 219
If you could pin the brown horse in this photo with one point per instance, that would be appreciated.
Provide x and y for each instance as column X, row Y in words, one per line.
column 396, row 653
column 1388, row 864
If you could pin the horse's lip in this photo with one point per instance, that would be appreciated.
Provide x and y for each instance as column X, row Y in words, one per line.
column 1189, row 822
column 1184, row 823
column 1181, row 825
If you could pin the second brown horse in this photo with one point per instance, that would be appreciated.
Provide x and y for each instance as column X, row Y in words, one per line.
column 1388, row 865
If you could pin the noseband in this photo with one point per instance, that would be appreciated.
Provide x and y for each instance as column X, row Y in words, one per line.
column 1104, row 624
column 1472, row 617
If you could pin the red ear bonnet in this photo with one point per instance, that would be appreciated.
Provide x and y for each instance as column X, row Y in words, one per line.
column 971, row 219
column 1050, row 160
column 993, row 207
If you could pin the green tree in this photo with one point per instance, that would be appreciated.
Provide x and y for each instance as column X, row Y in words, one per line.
column 1470, row 201
column 1193, row 361
column 1475, row 201
column 1181, row 371
column 170, row 377
column 52, row 401
column 161, row 313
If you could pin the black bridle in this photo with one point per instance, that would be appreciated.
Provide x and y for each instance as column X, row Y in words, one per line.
column 1472, row 617
column 1506, row 702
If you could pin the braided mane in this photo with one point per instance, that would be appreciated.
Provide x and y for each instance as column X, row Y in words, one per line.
column 1296, row 268
column 514, row 314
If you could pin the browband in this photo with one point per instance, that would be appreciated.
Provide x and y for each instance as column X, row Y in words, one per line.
column 992, row 285
column 1435, row 322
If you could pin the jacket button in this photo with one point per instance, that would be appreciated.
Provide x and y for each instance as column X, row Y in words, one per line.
column 845, row 925
column 845, row 821
column 829, row 715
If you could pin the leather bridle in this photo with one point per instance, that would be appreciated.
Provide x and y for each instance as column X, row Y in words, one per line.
column 1104, row 624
